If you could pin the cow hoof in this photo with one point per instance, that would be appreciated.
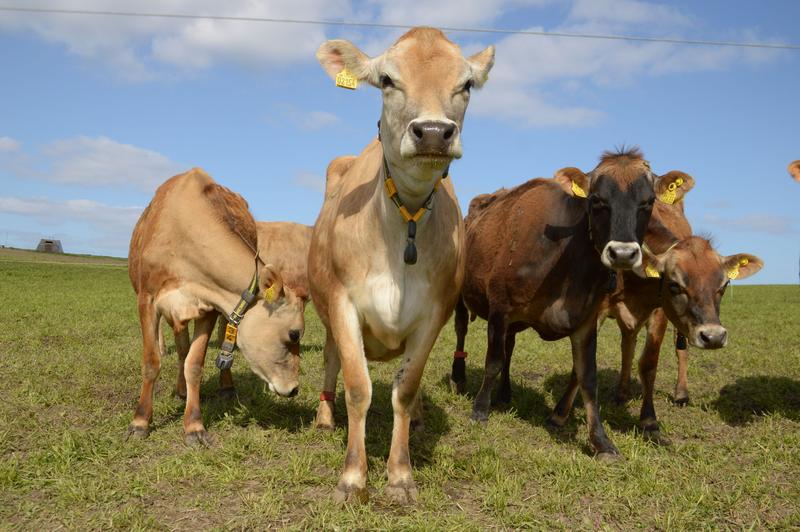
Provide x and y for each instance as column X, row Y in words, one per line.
column 403, row 494
column 417, row 425
column 350, row 495
column 556, row 421
column 137, row 433
column 324, row 419
column 621, row 398
column 653, row 435
column 609, row 457
column 480, row 417
column 458, row 387
column 226, row 393
column 197, row 439
column 681, row 401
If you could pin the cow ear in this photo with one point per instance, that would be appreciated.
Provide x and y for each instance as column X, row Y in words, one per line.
column 672, row 186
column 270, row 284
column 573, row 181
column 342, row 58
column 741, row 265
column 794, row 170
column 652, row 266
column 481, row 63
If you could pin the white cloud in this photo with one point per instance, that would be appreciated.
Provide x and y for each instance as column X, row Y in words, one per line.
column 755, row 223
column 7, row 145
column 620, row 13
column 301, row 119
column 310, row 181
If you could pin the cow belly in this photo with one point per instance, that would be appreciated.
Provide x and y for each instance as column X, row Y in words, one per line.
column 178, row 306
column 391, row 309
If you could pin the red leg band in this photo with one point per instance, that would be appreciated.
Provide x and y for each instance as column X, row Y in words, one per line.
column 459, row 354
column 327, row 396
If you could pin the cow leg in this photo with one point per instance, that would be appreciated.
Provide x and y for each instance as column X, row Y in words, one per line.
column 648, row 365
column 504, row 393
column 194, row 433
column 681, row 396
column 406, row 399
column 627, row 348
column 458, row 374
column 182, row 346
column 346, row 331
column 326, row 408
column 564, row 406
column 584, row 362
column 151, row 367
column 226, row 390
column 162, row 344
column 495, row 357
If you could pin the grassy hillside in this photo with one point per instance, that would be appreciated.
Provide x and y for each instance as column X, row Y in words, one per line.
column 70, row 348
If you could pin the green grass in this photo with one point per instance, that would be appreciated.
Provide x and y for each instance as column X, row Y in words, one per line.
column 70, row 350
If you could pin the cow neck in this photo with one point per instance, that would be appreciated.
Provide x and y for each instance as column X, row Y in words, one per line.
column 611, row 285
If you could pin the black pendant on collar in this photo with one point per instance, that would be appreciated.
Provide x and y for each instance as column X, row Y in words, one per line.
column 410, row 255
column 680, row 341
column 612, row 281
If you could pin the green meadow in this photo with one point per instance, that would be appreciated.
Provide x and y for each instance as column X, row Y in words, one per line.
column 70, row 347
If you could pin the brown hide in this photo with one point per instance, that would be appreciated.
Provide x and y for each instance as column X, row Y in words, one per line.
column 285, row 246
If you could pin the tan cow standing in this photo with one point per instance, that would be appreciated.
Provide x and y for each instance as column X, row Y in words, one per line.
column 192, row 254
column 382, row 289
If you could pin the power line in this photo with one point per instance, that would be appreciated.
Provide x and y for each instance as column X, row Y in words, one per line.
column 320, row 22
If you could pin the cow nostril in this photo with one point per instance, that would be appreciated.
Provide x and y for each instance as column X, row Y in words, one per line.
column 705, row 338
column 294, row 391
column 417, row 131
column 612, row 254
column 294, row 336
column 448, row 132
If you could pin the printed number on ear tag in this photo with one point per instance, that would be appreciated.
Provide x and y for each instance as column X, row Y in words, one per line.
column 346, row 80
column 269, row 294
column 733, row 273
column 649, row 271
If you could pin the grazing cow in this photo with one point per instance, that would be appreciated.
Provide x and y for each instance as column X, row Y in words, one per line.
column 386, row 260
column 543, row 255
column 683, row 282
column 794, row 170
column 192, row 254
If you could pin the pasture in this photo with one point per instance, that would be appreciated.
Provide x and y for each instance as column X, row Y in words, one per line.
column 70, row 346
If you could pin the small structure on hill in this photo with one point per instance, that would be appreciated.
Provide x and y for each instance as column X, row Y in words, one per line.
column 48, row 245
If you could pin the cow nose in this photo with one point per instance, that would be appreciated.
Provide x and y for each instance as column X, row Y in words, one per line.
column 433, row 136
column 294, row 336
column 713, row 337
column 294, row 391
column 622, row 255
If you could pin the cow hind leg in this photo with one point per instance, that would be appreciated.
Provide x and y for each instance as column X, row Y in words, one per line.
column 627, row 348
column 151, row 367
column 564, row 405
column 504, row 392
column 458, row 373
column 327, row 399
column 681, row 396
column 182, row 347
column 495, row 358
column 648, row 366
column 193, row 430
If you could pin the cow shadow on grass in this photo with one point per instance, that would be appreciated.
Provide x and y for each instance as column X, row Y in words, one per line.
column 749, row 398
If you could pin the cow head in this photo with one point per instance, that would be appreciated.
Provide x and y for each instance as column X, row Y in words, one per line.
column 270, row 332
column 426, row 83
column 693, row 280
column 619, row 195
column 794, row 170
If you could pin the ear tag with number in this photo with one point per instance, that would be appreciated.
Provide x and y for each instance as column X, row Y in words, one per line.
column 649, row 271
column 269, row 294
column 346, row 80
column 733, row 272
column 670, row 195
column 577, row 190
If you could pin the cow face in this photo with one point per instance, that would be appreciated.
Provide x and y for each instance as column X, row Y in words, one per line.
column 426, row 83
column 794, row 170
column 620, row 193
column 694, row 279
column 270, row 332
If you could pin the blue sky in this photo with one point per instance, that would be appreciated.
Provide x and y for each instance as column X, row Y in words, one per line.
column 96, row 111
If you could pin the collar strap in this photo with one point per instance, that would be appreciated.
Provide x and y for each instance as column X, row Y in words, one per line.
column 225, row 356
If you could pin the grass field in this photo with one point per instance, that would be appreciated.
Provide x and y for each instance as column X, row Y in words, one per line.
column 70, row 349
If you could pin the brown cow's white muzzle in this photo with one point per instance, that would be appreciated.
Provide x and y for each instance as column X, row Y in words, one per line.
column 431, row 138
column 710, row 336
column 621, row 255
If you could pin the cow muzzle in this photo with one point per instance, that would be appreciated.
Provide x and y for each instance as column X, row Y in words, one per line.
column 710, row 336
column 436, row 139
column 621, row 255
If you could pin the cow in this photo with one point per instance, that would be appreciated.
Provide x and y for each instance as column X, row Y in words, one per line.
column 543, row 255
column 386, row 260
column 193, row 255
column 681, row 280
column 794, row 170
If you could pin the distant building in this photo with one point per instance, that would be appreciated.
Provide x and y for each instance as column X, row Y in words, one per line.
column 47, row 245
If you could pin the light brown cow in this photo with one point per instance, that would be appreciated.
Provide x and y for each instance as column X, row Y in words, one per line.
column 382, row 289
column 794, row 170
column 192, row 254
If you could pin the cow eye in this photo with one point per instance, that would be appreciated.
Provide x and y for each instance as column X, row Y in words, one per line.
column 386, row 82
column 675, row 288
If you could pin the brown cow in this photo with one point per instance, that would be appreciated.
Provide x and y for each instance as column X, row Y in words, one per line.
column 543, row 255
column 386, row 261
column 794, row 170
column 184, row 273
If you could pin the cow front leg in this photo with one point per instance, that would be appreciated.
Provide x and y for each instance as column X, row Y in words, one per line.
column 584, row 362
column 458, row 372
column 495, row 357
column 194, row 433
column 504, row 392
column 182, row 347
column 627, row 348
column 346, row 331
column 681, row 396
column 327, row 399
column 648, row 366
column 151, row 367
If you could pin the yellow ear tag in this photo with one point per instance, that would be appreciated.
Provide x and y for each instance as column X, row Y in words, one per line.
column 346, row 80
column 269, row 294
column 649, row 271
column 733, row 272
column 669, row 195
column 577, row 190
column 230, row 333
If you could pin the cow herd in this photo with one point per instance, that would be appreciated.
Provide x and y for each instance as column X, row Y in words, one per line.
column 390, row 258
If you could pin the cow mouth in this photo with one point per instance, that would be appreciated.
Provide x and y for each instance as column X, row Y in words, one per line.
column 431, row 159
